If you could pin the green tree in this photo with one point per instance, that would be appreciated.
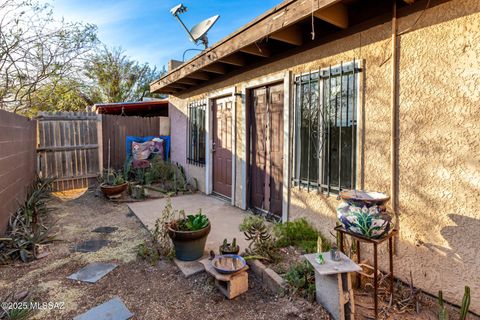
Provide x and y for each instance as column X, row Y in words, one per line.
column 117, row 78
column 36, row 51
column 62, row 95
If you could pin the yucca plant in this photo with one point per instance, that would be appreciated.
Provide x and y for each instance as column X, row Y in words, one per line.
column 26, row 229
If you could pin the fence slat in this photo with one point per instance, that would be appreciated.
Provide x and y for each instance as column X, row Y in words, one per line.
column 68, row 148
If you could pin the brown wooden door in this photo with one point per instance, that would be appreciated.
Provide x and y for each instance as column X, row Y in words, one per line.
column 266, row 171
column 222, row 146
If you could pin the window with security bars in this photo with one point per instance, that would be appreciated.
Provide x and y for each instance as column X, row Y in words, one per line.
column 325, row 128
column 196, row 133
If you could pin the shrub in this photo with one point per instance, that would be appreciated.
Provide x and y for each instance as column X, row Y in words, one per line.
column 301, row 234
column 26, row 228
column 262, row 244
column 159, row 243
column 301, row 279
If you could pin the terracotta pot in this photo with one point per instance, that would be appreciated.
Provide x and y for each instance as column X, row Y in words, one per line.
column 113, row 191
column 364, row 213
column 189, row 245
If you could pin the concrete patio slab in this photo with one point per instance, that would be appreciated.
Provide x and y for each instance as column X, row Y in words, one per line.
column 92, row 272
column 113, row 309
column 224, row 218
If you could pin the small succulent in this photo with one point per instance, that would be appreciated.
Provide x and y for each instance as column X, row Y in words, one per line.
column 229, row 247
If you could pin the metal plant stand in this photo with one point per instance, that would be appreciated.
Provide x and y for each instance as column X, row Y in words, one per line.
column 341, row 231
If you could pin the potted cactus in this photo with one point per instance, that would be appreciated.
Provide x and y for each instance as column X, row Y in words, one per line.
column 112, row 183
column 229, row 248
column 189, row 235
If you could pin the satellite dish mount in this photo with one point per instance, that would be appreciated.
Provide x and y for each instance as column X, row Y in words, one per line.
column 198, row 34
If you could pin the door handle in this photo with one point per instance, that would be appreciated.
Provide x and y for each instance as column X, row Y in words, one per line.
column 213, row 147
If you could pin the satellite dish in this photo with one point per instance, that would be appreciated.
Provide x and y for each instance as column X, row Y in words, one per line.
column 199, row 32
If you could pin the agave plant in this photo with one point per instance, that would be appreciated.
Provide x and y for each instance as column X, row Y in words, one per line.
column 26, row 228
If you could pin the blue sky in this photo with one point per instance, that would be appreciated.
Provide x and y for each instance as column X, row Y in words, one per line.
column 147, row 30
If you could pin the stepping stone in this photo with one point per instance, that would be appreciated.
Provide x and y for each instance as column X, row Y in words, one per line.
column 189, row 268
column 91, row 245
column 105, row 230
column 113, row 309
column 92, row 272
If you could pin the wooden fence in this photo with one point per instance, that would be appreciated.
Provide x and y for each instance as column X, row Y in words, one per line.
column 17, row 162
column 115, row 130
column 74, row 147
column 68, row 148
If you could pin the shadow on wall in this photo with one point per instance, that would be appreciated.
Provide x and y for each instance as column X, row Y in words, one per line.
column 459, row 250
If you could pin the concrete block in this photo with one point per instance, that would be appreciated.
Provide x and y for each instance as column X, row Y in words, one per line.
column 237, row 285
column 189, row 268
column 257, row 267
column 273, row 281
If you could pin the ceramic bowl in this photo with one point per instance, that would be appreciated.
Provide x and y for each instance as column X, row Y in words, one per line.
column 228, row 263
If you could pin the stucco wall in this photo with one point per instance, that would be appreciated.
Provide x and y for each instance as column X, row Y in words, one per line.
column 439, row 146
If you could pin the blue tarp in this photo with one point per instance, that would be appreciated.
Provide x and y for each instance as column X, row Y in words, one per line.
column 131, row 139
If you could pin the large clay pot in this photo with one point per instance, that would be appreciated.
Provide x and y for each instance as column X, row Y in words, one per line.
column 189, row 245
column 113, row 191
column 364, row 213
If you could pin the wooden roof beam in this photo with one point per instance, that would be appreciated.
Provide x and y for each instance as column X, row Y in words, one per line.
column 199, row 75
column 187, row 81
column 177, row 86
column 260, row 50
column 336, row 14
column 236, row 59
column 291, row 35
column 217, row 68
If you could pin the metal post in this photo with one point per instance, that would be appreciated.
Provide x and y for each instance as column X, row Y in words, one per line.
column 359, row 277
column 390, row 254
column 309, row 127
column 375, row 279
column 353, row 129
column 340, row 131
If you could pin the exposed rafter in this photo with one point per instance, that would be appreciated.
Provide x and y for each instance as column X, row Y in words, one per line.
column 199, row 75
column 261, row 50
column 235, row 59
column 215, row 68
column 290, row 35
column 336, row 14
column 187, row 81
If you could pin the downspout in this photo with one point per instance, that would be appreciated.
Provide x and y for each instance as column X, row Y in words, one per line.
column 394, row 119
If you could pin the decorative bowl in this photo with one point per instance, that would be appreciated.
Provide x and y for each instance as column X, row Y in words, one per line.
column 364, row 213
column 228, row 263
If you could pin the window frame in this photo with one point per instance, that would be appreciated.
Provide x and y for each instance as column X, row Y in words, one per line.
column 320, row 182
column 196, row 132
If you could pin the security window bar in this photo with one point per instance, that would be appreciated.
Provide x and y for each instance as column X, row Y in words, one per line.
column 325, row 128
column 196, row 133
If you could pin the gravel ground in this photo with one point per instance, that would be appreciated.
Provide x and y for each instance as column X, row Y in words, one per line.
column 150, row 292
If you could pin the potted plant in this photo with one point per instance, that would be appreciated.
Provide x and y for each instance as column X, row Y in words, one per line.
column 189, row 235
column 229, row 248
column 112, row 184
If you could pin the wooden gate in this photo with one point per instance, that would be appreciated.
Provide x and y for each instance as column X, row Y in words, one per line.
column 68, row 148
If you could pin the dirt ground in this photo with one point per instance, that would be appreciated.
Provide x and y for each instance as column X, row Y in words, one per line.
column 150, row 292
column 159, row 292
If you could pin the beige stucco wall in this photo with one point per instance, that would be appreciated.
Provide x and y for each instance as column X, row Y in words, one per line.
column 439, row 141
